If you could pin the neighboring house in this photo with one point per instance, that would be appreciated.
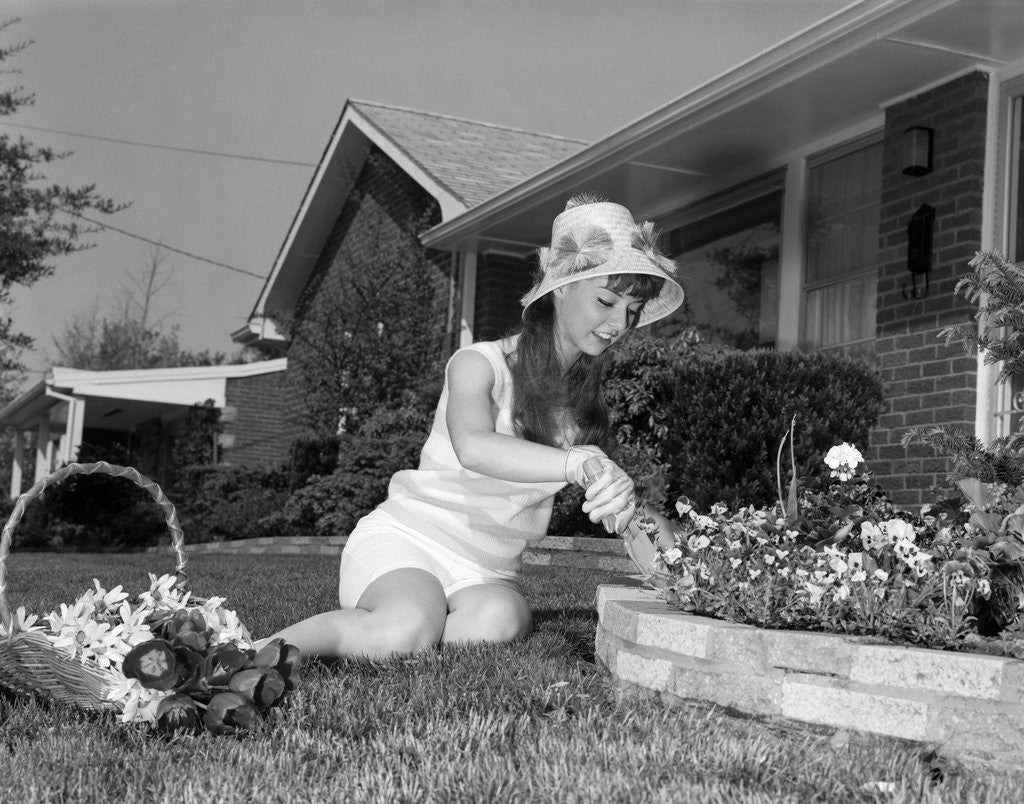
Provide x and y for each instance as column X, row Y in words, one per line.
column 142, row 410
column 383, row 167
column 824, row 195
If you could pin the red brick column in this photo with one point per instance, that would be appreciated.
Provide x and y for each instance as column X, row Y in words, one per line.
column 925, row 381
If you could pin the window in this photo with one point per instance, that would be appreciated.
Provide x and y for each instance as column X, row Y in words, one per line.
column 728, row 264
column 841, row 280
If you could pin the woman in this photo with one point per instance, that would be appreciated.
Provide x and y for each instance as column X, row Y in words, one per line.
column 517, row 418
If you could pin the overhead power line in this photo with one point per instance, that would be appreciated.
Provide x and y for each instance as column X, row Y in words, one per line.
column 164, row 246
column 200, row 151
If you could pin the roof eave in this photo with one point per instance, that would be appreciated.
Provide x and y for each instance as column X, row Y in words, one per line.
column 807, row 50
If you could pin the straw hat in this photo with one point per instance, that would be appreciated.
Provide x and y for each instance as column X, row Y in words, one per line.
column 600, row 239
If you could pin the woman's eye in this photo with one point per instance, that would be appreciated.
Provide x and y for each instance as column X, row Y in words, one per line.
column 606, row 303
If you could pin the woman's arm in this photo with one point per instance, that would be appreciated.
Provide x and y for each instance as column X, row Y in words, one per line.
column 479, row 447
column 471, row 427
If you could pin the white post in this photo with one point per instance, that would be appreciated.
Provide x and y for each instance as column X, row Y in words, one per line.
column 18, row 467
column 791, row 256
column 44, row 448
column 468, row 297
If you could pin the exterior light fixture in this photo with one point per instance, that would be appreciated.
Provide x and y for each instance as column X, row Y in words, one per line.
column 917, row 151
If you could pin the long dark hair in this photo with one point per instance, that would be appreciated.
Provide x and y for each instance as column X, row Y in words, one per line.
column 541, row 391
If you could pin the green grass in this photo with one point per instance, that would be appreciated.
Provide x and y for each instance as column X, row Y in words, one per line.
column 535, row 721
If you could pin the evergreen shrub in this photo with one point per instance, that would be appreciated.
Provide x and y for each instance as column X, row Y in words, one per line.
column 223, row 502
column 730, row 407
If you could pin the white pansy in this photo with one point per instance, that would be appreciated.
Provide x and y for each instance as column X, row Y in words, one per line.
column 697, row 541
column 897, row 529
column 672, row 555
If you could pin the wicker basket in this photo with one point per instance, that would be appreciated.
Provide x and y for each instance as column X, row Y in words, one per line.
column 28, row 661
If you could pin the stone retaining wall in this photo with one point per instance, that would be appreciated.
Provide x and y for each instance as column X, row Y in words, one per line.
column 967, row 706
column 559, row 551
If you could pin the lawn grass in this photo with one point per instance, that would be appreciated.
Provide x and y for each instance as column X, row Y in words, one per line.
column 535, row 721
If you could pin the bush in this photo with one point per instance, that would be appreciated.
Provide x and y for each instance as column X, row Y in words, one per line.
column 217, row 503
column 312, row 455
column 388, row 441
column 731, row 409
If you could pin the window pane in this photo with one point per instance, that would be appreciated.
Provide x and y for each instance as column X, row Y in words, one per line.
column 732, row 289
column 842, row 312
column 843, row 208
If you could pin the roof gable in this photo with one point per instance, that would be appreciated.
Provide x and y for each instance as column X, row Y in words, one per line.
column 472, row 160
column 459, row 162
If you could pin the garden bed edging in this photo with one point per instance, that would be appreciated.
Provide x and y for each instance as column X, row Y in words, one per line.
column 554, row 551
column 967, row 706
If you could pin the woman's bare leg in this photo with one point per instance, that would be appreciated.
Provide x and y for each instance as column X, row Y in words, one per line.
column 401, row 612
column 487, row 613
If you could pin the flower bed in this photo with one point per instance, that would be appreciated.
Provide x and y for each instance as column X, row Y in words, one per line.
column 838, row 557
column 818, row 609
column 964, row 705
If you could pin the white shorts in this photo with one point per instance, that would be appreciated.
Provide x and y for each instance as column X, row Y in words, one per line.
column 380, row 544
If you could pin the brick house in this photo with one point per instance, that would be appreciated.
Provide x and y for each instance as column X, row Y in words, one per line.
column 824, row 195
column 388, row 174
column 143, row 411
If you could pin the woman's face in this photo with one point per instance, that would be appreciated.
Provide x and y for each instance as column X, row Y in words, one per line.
column 589, row 318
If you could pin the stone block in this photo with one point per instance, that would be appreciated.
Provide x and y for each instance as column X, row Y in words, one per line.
column 676, row 633
column 741, row 646
column 821, row 654
column 991, row 730
column 649, row 672
column 830, row 702
column 620, row 621
column 752, row 693
column 965, row 674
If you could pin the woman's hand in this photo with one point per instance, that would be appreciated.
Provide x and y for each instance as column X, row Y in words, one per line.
column 611, row 498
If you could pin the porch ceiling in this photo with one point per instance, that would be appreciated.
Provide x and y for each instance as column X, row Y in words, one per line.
column 835, row 76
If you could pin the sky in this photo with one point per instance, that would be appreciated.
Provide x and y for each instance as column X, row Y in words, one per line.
column 257, row 86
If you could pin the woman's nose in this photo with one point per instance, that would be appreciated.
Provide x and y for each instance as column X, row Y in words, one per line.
column 619, row 318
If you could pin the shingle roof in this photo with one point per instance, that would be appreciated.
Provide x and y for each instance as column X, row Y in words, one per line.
column 474, row 161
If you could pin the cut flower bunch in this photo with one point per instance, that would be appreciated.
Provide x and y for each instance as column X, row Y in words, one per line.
column 837, row 556
column 170, row 660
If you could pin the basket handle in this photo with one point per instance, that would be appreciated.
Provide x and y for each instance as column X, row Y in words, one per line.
column 100, row 468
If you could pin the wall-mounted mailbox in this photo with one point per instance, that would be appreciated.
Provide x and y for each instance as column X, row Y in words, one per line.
column 919, row 251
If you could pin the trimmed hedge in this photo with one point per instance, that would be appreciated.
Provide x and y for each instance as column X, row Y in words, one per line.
column 731, row 410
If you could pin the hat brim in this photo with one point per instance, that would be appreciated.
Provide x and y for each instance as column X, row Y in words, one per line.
column 665, row 303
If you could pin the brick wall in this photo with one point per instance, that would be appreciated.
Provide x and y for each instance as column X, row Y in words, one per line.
column 501, row 282
column 371, row 228
column 925, row 381
column 261, row 423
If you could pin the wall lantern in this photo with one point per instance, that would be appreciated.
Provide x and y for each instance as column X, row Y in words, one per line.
column 919, row 250
column 917, row 151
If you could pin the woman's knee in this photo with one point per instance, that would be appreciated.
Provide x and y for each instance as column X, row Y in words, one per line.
column 410, row 631
column 483, row 617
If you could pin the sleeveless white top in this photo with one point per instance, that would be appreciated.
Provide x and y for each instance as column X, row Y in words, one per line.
column 488, row 520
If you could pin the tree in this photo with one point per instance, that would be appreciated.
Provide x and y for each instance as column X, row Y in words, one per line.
column 366, row 331
column 37, row 222
column 131, row 339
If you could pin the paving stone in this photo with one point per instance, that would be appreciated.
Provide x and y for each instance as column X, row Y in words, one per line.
column 969, row 675
column 581, row 544
column 817, row 700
